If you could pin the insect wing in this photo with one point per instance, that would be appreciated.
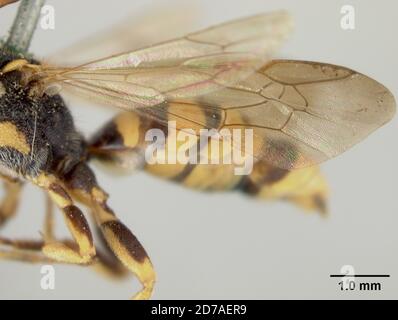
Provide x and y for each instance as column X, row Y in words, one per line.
column 301, row 113
column 190, row 66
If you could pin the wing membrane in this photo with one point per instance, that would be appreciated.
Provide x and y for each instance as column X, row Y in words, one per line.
column 190, row 66
column 301, row 113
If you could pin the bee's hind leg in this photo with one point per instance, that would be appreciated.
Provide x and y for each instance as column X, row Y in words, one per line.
column 126, row 247
column 107, row 263
column 48, row 225
column 24, row 256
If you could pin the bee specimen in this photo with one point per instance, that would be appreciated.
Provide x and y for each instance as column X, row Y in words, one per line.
column 301, row 113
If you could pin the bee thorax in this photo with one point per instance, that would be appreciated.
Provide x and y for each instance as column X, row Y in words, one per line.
column 37, row 132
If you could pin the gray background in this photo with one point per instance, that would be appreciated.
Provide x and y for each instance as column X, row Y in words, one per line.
column 229, row 246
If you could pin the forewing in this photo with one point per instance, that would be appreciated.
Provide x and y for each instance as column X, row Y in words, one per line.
column 199, row 63
column 301, row 113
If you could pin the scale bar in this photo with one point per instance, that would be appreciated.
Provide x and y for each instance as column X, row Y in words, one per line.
column 360, row 275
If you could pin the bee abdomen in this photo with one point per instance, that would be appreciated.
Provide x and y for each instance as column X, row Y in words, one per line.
column 121, row 143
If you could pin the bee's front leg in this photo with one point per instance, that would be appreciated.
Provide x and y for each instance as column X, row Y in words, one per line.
column 126, row 247
column 20, row 247
column 83, row 250
column 30, row 250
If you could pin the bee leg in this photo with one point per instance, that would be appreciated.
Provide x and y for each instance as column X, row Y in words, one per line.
column 82, row 183
column 76, row 222
column 26, row 250
column 124, row 244
column 21, row 246
column 48, row 226
column 7, row 209
column 34, row 245
column 30, row 251
column 107, row 262
column 24, row 256
column 102, row 263
column 9, row 204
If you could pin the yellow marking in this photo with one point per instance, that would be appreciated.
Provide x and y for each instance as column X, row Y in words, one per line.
column 127, row 125
column 19, row 64
column 62, row 253
column 95, row 199
column 99, row 195
column 171, row 167
column 143, row 270
column 86, row 247
column 43, row 180
column 102, row 215
column 59, row 200
column 300, row 186
column 99, row 198
column 193, row 117
column 14, row 65
column 11, row 137
column 212, row 177
column 81, row 196
column 55, row 190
